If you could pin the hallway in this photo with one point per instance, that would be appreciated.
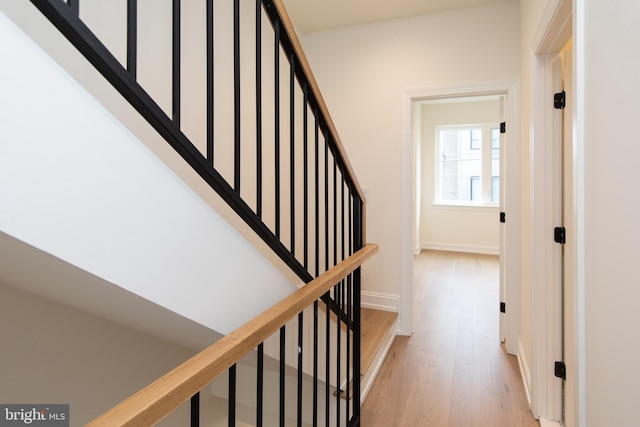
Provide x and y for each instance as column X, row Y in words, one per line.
column 453, row 370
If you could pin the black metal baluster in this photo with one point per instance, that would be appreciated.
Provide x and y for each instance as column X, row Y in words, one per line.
column 232, row 396
column 260, row 385
column 350, row 374
column 328, row 294
column 317, row 267
column 292, row 159
column 327, row 387
column 276, row 27
column 195, row 410
column 236, row 94
column 317, row 193
column 315, row 364
column 336, row 292
column 176, row 64
column 305, row 179
column 338, row 360
column 357, row 241
column 343, row 296
column 210, row 83
column 343, row 214
column 349, row 312
column 283, row 366
column 259, row 108
column 326, row 202
column 132, row 37
column 300, row 344
column 335, row 216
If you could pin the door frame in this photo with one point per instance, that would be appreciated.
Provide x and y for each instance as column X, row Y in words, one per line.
column 510, row 153
column 556, row 28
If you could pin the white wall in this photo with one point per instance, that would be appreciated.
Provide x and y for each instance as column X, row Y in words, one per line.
column 531, row 15
column 53, row 353
column 77, row 184
column 364, row 72
column 608, row 207
column 458, row 228
column 605, row 207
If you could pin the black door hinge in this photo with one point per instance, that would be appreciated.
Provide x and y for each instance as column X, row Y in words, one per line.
column 560, row 370
column 559, row 100
column 503, row 127
column 503, row 217
column 560, row 235
column 503, row 307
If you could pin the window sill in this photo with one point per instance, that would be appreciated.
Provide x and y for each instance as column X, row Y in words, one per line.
column 478, row 207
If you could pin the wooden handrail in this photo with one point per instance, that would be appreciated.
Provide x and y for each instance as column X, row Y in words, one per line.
column 157, row 400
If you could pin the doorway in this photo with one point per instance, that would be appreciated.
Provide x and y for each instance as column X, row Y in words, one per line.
column 509, row 243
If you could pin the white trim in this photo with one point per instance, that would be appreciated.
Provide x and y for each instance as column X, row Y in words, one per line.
column 552, row 31
column 511, row 156
column 378, row 301
column 579, row 209
column 453, row 247
column 546, row 423
column 524, row 371
column 551, row 36
column 468, row 207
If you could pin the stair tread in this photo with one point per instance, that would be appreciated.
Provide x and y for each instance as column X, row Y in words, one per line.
column 375, row 325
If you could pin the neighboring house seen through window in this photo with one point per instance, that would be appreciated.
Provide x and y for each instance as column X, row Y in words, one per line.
column 468, row 164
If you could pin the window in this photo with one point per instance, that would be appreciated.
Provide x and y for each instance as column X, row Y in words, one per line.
column 468, row 164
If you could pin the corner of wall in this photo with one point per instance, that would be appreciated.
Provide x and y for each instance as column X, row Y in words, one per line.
column 524, row 371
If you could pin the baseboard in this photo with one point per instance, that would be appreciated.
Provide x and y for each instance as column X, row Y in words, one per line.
column 454, row 247
column 546, row 423
column 378, row 301
column 524, row 372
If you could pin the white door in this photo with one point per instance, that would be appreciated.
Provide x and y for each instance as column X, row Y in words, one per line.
column 562, row 213
column 556, row 290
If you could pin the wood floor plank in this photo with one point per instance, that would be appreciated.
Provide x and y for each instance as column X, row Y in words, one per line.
column 453, row 371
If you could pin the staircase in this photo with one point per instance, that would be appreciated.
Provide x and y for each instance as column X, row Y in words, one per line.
column 154, row 186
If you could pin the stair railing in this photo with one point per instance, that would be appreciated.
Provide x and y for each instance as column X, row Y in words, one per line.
column 312, row 176
column 156, row 401
column 281, row 168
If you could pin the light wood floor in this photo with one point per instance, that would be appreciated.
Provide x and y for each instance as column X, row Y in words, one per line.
column 453, row 371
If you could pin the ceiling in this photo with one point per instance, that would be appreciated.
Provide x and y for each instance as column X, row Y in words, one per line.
column 319, row 15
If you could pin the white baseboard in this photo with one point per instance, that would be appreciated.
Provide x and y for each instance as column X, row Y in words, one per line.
column 546, row 423
column 378, row 301
column 454, row 247
column 524, row 372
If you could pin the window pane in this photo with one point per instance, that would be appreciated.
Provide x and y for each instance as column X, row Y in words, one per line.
column 495, row 189
column 449, row 153
column 495, row 167
column 476, row 139
column 476, row 189
column 459, row 163
column 495, row 138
